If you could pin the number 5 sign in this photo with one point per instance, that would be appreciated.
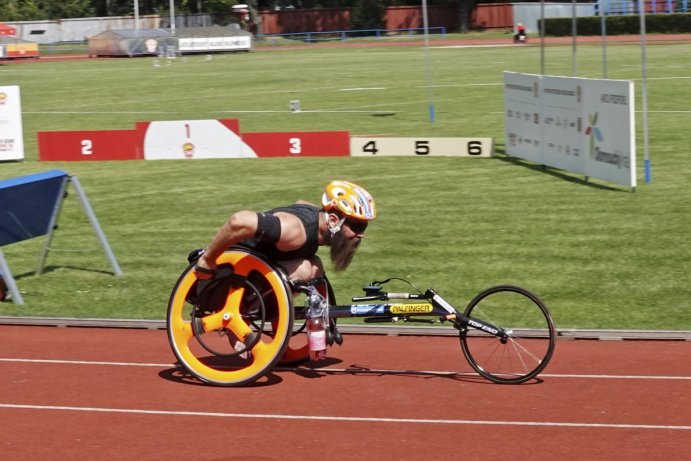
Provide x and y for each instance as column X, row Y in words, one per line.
column 438, row 147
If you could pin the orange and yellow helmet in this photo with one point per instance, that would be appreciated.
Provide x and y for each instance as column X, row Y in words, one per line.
column 350, row 199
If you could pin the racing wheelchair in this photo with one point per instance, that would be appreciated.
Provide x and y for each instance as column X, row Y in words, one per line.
column 236, row 327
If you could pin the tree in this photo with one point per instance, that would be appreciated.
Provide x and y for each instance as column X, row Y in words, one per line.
column 20, row 10
column 367, row 14
column 69, row 9
column 465, row 10
column 32, row 10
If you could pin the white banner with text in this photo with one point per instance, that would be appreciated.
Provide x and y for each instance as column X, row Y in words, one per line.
column 585, row 126
column 11, row 131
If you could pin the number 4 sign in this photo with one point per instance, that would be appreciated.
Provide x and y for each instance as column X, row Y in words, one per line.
column 438, row 147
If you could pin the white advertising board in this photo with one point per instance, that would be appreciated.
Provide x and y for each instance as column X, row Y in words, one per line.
column 179, row 139
column 610, row 131
column 562, row 109
column 521, row 117
column 586, row 126
column 201, row 44
column 11, row 131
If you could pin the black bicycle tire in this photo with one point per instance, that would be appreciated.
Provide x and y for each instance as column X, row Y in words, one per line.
column 549, row 321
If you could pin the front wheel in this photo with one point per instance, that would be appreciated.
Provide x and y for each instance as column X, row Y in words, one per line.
column 526, row 346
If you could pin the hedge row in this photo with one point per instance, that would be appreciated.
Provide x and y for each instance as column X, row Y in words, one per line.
column 621, row 25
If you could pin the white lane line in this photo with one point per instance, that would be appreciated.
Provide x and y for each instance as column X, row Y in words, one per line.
column 344, row 418
column 73, row 112
column 363, row 89
column 495, row 45
column 303, row 111
column 348, row 370
column 638, row 112
column 333, row 111
column 547, row 375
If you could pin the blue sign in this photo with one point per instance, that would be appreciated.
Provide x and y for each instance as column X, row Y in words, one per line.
column 367, row 309
column 28, row 204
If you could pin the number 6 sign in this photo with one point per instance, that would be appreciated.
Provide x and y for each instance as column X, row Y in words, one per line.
column 438, row 147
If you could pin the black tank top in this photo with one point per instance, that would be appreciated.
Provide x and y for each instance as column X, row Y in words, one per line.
column 309, row 215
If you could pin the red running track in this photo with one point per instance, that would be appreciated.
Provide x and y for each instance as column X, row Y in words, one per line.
column 114, row 394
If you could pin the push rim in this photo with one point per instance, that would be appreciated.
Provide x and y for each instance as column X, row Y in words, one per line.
column 264, row 346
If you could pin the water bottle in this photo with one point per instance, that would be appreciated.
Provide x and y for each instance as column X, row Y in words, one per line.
column 316, row 333
column 316, row 337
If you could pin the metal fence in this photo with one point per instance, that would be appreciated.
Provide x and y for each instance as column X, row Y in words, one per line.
column 624, row 7
column 343, row 35
column 80, row 29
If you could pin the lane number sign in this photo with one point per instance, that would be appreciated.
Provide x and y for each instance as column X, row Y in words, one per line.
column 444, row 147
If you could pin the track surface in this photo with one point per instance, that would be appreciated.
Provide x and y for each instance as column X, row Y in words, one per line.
column 114, row 394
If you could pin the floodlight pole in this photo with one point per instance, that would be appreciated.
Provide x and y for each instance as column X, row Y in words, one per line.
column 644, row 92
column 574, row 32
column 542, row 37
column 428, row 64
column 136, row 14
column 603, row 34
column 172, row 17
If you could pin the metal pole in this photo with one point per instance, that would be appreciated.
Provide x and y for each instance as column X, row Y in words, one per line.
column 136, row 14
column 172, row 17
column 644, row 92
column 573, row 41
column 428, row 64
column 95, row 225
column 52, row 225
column 603, row 34
column 9, row 281
column 542, row 37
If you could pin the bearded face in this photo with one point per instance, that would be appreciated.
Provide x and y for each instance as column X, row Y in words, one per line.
column 343, row 250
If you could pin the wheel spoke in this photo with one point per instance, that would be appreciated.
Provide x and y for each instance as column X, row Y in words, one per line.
column 531, row 335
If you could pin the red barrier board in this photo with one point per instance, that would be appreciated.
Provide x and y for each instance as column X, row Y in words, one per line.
column 299, row 143
column 87, row 145
column 201, row 138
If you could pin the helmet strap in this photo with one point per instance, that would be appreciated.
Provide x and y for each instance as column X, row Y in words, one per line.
column 337, row 228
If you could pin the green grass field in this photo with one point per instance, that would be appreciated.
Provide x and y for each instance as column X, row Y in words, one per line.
column 599, row 255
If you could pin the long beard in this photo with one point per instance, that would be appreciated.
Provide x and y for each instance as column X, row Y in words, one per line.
column 342, row 251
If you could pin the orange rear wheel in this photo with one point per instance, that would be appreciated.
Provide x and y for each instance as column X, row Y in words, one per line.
column 233, row 330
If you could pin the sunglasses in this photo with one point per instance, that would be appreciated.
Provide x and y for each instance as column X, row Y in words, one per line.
column 356, row 226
